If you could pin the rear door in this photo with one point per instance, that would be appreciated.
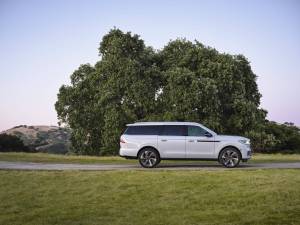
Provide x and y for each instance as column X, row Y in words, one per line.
column 197, row 144
column 171, row 141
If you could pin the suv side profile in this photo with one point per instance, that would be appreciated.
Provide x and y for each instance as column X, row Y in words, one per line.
column 151, row 142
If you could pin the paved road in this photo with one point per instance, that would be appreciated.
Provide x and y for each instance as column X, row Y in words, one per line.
column 162, row 166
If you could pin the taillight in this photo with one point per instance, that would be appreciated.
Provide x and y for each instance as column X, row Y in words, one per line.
column 122, row 141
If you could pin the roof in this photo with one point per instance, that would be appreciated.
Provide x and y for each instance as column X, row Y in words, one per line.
column 162, row 123
column 172, row 123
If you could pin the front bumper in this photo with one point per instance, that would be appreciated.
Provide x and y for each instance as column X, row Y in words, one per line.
column 246, row 152
column 249, row 153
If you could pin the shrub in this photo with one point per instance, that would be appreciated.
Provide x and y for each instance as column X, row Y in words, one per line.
column 12, row 143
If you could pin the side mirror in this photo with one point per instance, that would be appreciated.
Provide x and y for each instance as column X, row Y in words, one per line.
column 207, row 134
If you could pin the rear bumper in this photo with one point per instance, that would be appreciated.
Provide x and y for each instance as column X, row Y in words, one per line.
column 128, row 157
column 128, row 153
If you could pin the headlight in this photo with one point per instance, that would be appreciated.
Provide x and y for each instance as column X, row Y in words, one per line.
column 245, row 141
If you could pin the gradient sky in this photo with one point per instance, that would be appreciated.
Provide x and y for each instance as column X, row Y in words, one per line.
column 43, row 42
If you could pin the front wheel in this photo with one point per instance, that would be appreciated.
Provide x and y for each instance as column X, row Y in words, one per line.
column 149, row 158
column 230, row 157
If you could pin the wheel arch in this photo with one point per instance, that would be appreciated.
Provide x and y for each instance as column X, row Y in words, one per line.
column 147, row 147
column 229, row 146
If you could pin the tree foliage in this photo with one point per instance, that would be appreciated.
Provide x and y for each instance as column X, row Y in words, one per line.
column 216, row 89
column 185, row 81
column 286, row 136
column 11, row 143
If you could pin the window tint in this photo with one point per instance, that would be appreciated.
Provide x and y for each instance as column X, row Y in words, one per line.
column 142, row 130
column 174, row 130
column 196, row 131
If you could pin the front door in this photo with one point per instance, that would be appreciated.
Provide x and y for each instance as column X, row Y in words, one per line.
column 198, row 145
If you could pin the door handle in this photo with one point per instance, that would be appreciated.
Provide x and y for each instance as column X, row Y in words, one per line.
column 191, row 140
column 164, row 140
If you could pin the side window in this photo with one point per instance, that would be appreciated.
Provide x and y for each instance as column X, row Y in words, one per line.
column 131, row 130
column 174, row 130
column 142, row 130
column 149, row 130
column 196, row 131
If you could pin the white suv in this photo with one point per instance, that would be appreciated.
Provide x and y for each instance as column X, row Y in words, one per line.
column 152, row 141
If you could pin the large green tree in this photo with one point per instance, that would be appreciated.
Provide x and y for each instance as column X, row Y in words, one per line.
column 184, row 81
column 120, row 89
column 219, row 90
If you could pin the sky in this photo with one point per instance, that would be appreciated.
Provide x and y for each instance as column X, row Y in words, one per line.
column 43, row 42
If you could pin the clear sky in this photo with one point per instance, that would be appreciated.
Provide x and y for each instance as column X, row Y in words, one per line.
column 43, row 42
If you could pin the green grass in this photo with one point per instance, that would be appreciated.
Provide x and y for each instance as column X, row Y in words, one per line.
column 150, row 197
column 278, row 157
column 52, row 158
column 55, row 158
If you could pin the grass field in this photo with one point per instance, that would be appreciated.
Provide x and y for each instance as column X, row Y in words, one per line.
column 150, row 197
column 52, row 158
column 55, row 158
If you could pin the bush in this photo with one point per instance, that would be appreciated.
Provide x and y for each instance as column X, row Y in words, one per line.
column 275, row 137
column 57, row 148
column 12, row 143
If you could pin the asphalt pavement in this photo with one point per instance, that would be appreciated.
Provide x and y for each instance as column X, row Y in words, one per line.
column 163, row 166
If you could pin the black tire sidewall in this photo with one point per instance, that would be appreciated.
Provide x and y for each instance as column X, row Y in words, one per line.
column 233, row 149
column 152, row 150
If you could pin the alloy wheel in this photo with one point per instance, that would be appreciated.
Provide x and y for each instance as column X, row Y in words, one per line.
column 148, row 158
column 230, row 158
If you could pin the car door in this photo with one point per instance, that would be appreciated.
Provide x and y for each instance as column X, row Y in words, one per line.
column 171, row 141
column 199, row 143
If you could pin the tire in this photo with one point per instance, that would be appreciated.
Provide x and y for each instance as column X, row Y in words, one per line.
column 149, row 158
column 230, row 157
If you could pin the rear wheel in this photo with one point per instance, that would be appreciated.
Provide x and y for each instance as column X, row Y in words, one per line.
column 149, row 158
column 230, row 157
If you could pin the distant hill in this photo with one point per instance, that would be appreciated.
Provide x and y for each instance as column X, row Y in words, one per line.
column 50, row 139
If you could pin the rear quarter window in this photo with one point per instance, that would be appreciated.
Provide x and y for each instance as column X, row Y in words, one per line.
column 143, row 130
